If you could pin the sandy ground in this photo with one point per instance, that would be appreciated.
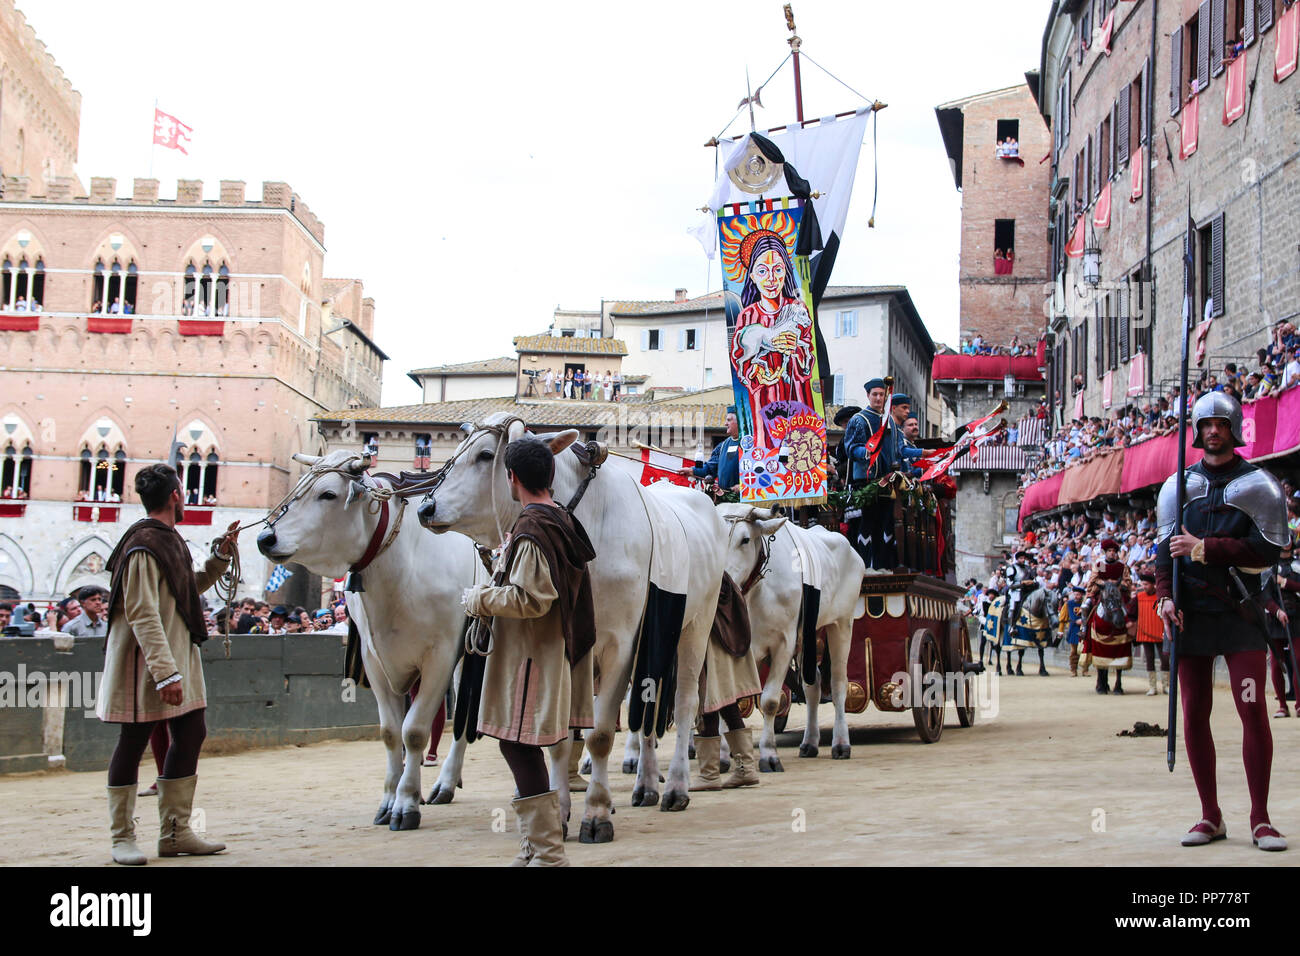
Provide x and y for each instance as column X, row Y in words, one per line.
column 1045, row 781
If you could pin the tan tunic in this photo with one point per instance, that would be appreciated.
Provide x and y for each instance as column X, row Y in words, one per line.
column 727, row 679
column 148, row 641
column 531, row 694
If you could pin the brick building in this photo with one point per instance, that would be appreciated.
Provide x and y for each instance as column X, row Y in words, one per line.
column 137, row 329
column 1121, row 82
column 1003, row 208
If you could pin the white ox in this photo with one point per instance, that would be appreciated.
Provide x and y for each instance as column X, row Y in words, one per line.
column 474, row 499
column 409, row 616
column 794, row 556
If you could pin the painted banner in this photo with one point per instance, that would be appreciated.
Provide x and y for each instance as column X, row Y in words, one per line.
column 771, row 347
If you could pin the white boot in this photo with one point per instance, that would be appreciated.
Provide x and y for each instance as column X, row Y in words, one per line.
column 1151, row 684
column 121, row 822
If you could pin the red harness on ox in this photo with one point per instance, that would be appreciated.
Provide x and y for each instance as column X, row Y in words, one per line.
column 353, row 581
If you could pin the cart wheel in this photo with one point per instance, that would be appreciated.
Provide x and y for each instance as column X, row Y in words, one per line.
column 928, row 698
column 965, row 686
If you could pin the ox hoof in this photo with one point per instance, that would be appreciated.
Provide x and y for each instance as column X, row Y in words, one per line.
column 629, row 766
column 807, row 750
column 596, row 831
column 675, row 800
column 644, row 798
column 383, row 816
column 438, row 795
column 410, row 820
column 770, row 765
column 1042, row 672
column 585, row 766
column 840, row 751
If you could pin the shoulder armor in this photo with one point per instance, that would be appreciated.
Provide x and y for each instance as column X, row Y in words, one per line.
column 1258, row 495
column 1167, row 519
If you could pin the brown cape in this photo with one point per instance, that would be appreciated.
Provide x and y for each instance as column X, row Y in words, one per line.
column 168, row 548
column 731, row 622
column 563, row 541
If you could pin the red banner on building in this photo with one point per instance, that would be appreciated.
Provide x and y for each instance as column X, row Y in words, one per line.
column 1191, row 126
column 1234, row 90
column 1101, row 211
column 1288, row 38
column 1137, row 374
column 1074, row 248
column 1107, row 31
column 1137, row 164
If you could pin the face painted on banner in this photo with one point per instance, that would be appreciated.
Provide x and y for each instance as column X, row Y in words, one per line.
column 768, row 274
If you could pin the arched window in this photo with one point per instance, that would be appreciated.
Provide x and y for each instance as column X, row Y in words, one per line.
column 16, row 472
column 103, row 475
column 210, row 479
column 197, row 468
column 206, row 290
column 22, row 288
column 114, row 289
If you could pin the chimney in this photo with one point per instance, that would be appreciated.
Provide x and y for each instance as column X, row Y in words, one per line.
column 145, row 190
column 189, row 192
column 102, row 189
column 232, row 192
column 679, row 295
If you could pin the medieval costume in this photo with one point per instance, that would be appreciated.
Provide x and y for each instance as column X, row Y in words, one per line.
column 1071, row 622
column 537, row 679
column 871, row 527
column 1108, row 640
column 1281, row 587
column 1149, row 633
column 1236, row 525
column 155, row 628
column 729, row 675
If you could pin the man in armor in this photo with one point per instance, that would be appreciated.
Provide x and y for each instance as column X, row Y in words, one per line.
column 1233, row 527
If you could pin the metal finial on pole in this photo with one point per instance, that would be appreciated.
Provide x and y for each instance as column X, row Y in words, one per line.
column 795, row 43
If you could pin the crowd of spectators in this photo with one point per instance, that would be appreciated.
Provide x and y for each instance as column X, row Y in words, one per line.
column 84, row 614
column 977, row 345
column 24, row 303
column 1277, row 369
column 581, row 385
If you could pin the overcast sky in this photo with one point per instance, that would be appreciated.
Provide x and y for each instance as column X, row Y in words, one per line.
column 477, row 164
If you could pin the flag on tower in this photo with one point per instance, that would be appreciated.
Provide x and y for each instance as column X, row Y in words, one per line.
column 170, row 132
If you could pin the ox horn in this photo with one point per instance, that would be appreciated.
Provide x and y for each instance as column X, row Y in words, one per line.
column 761, row 514
column 358, row 466
column 309, row 460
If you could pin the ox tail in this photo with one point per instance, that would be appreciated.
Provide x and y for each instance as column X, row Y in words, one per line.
column 353, row 668
column 809, row 608
column 469, row 692
column 654, row 678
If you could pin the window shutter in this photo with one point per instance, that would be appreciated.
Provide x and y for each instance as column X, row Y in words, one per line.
column 1094, row 172
column 1121, row 124
column 1264, row 15
column 1175, row 71
column 1218, row 26
column 663, row 337
column 1112, row 305
column 1203, row 30
column 645, row 340
column 1114, row 138
column 1216, row 265
column 1144, row 97
column 1125, row 346
column 681, row 340
column 839, row 390
column 1083, row 351
column 1069, row 100
column 1100, row 354
column 1248, row 22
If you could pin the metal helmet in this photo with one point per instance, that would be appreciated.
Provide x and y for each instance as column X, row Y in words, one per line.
column 1216, row 405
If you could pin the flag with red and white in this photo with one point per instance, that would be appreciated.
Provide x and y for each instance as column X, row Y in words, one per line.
column 1136, row 164
column 1074, row 248
column 1101, row 211
column 170, row 132
column 661, row 466
column 1191, row 127
column 1288, row 44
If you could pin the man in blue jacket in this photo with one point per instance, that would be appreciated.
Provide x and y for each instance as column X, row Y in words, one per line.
column 905, row 451
column 871, row 529
column 724, row 465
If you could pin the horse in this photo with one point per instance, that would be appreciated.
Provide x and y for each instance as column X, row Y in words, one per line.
column 651, row 542
column 409, row 617
column 1035, row 627
column 1108, row 639
column 776, row 564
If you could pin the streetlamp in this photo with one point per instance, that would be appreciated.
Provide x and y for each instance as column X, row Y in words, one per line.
column 1092, row 261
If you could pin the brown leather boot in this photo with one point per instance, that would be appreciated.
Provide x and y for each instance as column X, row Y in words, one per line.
column 543, row 835
column 175, row 802
column 707, row 751
column 121, row 823
column 744, row 769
